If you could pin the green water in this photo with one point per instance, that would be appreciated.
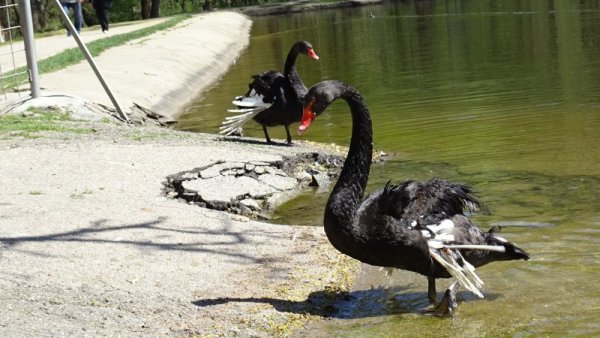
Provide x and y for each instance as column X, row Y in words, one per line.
column 502, row 95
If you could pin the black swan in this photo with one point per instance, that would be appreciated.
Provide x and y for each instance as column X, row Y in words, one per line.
column 273, row 99
column 415, row 226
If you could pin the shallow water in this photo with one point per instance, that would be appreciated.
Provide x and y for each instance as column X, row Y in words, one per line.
column 501, row 95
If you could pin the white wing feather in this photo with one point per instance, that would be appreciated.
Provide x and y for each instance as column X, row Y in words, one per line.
column 249, row 107
column 448, row 255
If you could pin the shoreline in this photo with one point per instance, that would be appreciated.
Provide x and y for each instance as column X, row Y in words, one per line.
column 299, row 6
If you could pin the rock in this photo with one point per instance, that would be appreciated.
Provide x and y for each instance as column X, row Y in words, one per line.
column 320, row 180
column 250, row 167
column 259, row 170
column 228, row 172
column 224, row 189
column 210, row 172
column 189, row 195
column 235, row 165
column 259, row 163
column 250, row 203
column 245, row 211
column 189, row 176
column 278, row 182
column 218, row 168
column 275, row 171
column 303, row 176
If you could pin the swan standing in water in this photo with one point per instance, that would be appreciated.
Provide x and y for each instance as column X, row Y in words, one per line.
column 415, row 226
column 273, row 99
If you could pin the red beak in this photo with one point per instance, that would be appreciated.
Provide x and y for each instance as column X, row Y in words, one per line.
column 312, row 54
column 307, row 117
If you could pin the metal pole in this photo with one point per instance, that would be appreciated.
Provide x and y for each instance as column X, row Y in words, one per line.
column 90, row 60
column 30, row 52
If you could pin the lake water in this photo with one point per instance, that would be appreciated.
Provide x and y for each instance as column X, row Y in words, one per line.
column 502, row 95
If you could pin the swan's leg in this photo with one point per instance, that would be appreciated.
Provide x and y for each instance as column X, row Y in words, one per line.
column 266, row 134
column 431, row 292
column 448, row 304
column 289, row 137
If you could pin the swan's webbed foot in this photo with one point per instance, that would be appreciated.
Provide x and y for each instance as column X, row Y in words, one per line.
column 448, row 305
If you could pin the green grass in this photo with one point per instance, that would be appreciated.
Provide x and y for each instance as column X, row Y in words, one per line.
column 37, row 120
column 74, row 55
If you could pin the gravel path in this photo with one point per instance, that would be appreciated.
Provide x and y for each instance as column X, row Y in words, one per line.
column 91, row 246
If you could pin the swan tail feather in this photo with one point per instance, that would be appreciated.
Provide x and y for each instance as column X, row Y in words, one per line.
column 251, row 100
column 459, row 268
column 232, row 123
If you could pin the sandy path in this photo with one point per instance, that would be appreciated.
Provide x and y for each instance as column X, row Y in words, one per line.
column 52, row 45
column 89, row 244
column 162, row 72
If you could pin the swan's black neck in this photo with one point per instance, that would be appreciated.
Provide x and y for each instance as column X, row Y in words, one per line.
column 291, row 73
column 350, row 187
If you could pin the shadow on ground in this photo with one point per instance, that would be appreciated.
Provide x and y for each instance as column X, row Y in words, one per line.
column 217, row 240
column 373, row 302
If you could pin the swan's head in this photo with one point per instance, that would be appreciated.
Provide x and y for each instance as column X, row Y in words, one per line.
column 308, row 116
column 316, row 101
column 305, row 47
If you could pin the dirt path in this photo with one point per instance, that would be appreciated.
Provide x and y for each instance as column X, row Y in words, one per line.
column 52, row 45
column 91, row 246
column 162, row 72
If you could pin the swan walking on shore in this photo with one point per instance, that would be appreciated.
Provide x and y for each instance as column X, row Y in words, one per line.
column 415, row 226
column 273, row 99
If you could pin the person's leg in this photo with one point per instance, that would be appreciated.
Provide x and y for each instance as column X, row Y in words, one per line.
column 78, row 16
column 105, row 11
column 65, row 7
column 98, row 10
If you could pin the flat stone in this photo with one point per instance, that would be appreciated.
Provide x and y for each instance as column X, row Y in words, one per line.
column 189, row 176
column 303, row 176
column 216, row 169
column 228, row 188
column 245, row 210
column 228, row 172
column 259, row 163
column 321, row 181
column 275, row 171
column 250, row 203
column 278, row 182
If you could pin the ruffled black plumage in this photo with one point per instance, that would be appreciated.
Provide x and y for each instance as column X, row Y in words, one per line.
column 273, row 98
column 416, row 226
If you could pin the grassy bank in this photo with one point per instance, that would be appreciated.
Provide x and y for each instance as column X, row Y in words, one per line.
column 35, row 121
column 74, row 55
